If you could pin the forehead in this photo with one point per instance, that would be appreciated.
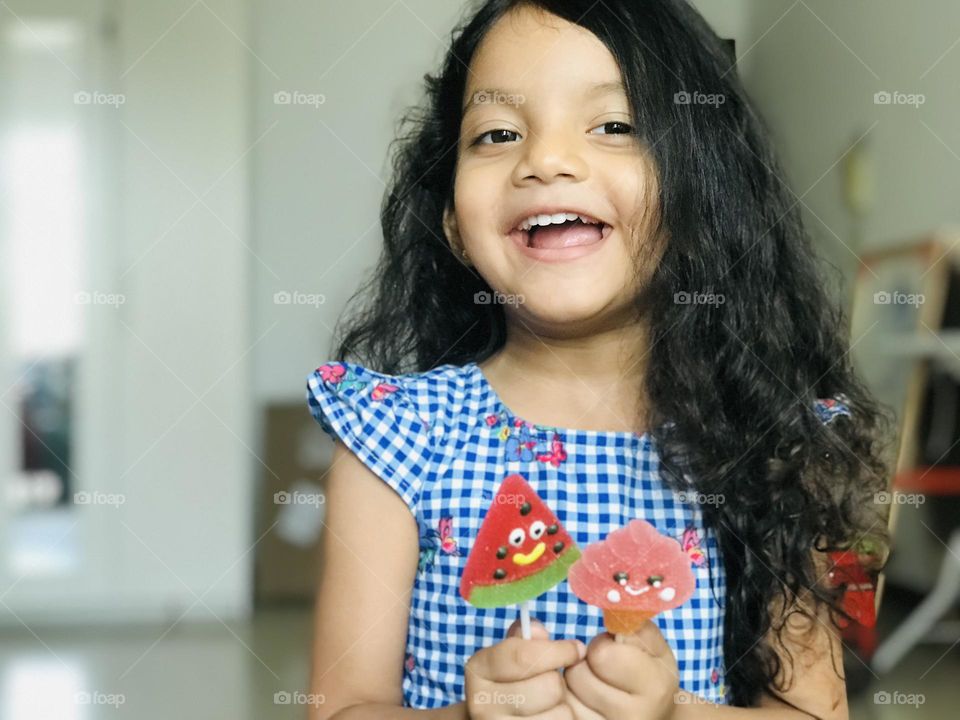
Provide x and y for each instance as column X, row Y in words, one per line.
column 534, row 53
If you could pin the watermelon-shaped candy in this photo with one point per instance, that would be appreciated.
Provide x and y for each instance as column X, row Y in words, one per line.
column 521, row 549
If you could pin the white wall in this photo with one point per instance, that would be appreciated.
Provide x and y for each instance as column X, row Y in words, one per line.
column 815, row 74
column 164, row 403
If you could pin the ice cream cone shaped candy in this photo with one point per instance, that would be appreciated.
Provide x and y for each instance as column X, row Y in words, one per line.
column 632, row 575
column 624, row 622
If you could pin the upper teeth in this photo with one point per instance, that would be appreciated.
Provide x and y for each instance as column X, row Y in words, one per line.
column 538, row 220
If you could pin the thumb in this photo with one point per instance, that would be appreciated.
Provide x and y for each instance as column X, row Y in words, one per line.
column 649, row 638
column 537, row 630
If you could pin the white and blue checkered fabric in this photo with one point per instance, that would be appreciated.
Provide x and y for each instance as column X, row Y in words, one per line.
column 444, row 441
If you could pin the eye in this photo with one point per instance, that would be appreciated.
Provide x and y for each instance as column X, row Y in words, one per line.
column 516, row 537
column 499, row 133
column 536, row 530
column 622, row 128
column 620, row 578
column 655, row 580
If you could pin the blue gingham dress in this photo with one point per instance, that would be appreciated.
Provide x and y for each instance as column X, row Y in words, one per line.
column 444, row 441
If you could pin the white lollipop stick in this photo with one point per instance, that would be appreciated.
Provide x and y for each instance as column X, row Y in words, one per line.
column 525, row 619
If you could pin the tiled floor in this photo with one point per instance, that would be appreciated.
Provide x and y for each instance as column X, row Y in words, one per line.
column 209, row 672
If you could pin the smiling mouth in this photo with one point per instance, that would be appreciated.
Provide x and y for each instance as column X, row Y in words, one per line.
column 569, row 234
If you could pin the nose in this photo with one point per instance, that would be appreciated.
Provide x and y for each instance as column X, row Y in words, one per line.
column 549, row 157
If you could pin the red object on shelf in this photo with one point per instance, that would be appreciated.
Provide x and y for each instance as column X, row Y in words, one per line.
column 860, row 594
column 929, row 480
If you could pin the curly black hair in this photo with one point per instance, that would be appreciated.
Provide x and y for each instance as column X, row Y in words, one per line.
column 730, row 390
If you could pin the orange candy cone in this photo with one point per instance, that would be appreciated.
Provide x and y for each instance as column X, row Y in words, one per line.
column 624, row 622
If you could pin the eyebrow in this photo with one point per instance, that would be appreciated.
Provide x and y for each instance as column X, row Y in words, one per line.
column 595, row 90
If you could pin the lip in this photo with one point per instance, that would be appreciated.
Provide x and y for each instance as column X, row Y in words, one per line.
column 553, row 255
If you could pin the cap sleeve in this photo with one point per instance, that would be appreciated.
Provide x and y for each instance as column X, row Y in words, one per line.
column 828, row 409
column 376, row 419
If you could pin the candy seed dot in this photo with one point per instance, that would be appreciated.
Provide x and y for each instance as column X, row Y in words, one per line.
column 499, row 574
column 525, row 509
column 557, row 547
column 553, row 529
column 501, row 552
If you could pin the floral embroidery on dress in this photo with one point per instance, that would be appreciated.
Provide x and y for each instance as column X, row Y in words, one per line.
column 521, row 444
column 556, row 455
column 717, row 681
column 691, row 543
column 409, row 663
column 439, row 540
column 342, row 379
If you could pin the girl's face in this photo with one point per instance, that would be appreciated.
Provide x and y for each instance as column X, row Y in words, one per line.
column 547, row 128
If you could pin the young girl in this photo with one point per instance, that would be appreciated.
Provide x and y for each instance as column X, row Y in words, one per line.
column 594, row 276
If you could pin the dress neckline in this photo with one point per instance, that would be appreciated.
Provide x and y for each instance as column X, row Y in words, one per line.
column 628, row 435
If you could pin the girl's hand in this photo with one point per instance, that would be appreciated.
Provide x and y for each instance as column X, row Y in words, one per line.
column 518, row 677
column 637, row 678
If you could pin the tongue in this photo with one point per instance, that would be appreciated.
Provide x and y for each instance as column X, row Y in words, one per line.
column 567, row 234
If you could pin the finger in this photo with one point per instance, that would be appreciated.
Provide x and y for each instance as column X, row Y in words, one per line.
column 649, row 638
column 540, row 694
column 580, row 711
column 518, row 659
column 537, row 630
column 592, row 692
column 628, row 665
